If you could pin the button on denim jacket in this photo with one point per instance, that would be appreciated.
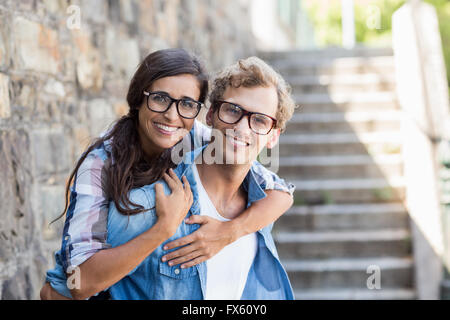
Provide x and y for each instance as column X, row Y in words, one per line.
column 154, row 279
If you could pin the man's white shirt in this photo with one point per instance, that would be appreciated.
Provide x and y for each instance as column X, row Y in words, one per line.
column 227, row 271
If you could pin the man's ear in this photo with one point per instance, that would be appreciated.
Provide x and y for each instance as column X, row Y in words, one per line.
column 209, row 116
column 273, row 140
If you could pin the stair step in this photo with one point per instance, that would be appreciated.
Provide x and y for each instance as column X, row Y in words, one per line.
column 342, row 244
column 354, row 116
column 335, row 66
column 327, row 53
column 343, row 217
column 343, row 148
column 350, row 273
column 341, row 166
column 349, row 97
column 323, row 102
column 351, row 83
column 340, row 79
column 349, row 184
column 344, row 122
column 340, row 143
column 355, row 294
column 362, row 190
column 349, row 264
column 340, row 160
column 369, row 137
column 342, row 236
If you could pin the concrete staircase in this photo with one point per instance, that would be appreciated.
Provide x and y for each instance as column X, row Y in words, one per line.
column 342, row 151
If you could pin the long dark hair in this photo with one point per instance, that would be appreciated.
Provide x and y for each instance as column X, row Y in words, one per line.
column 130, row 168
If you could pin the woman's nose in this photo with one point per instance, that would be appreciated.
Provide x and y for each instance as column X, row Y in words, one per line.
column 171, row 113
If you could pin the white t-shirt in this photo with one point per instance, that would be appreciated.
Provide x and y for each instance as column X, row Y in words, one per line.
column 227, row 271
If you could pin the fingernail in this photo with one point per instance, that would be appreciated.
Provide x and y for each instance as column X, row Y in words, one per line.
column 165, row 248
column 163, row 259
column 182, row 267
column 170, row 263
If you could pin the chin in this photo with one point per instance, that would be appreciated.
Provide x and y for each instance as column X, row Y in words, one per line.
column 237, row 158
column 166, row 144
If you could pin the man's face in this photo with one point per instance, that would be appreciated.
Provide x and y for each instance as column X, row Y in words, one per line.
column 239, row 143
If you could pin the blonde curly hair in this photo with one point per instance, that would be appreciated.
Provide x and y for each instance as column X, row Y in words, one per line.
column 254, row 72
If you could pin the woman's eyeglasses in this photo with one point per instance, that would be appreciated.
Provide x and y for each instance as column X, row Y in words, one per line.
column 161, row 102
column 232, row 113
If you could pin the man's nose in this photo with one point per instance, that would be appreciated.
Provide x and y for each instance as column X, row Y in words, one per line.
column 243, row 123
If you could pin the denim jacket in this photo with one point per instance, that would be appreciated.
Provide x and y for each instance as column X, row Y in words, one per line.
column 154, row 279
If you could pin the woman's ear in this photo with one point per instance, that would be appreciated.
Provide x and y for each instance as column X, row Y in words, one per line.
column 273, row 140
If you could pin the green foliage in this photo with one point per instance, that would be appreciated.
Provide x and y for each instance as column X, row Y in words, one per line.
column 384, row 194
column 443, row 13
column 372, row 23
column 327, row 23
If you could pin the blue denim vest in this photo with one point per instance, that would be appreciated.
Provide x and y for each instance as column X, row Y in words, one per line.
column 154, row 279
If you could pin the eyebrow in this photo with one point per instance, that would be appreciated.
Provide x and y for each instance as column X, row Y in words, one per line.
column 243, row 108
column 164, row 92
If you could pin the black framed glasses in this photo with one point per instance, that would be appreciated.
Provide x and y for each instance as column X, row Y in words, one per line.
column 160, row 102
column 232, row 113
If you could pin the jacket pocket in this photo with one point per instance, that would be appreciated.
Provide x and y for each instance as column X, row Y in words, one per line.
column 176, row 272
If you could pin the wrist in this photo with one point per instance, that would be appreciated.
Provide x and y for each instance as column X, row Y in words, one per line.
column 164, row 228
column 235, row 230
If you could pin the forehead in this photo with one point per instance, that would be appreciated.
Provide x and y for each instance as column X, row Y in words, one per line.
column 254, row 99
column 178, row 86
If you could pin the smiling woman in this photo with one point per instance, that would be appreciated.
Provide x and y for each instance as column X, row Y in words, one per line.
column 134, row 153
column 161, row 125
column 140, row 156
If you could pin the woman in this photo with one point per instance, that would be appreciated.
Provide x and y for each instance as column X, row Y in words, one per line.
column 165, row 95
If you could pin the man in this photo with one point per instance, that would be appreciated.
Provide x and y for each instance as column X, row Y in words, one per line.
column 250, row 105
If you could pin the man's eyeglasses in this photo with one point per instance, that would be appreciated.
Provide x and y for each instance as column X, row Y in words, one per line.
column 232, row 113
column 161, row 102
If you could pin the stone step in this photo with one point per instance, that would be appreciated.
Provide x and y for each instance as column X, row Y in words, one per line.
column 314, row 107
column 344, row 122
column 334, row 84
column 343, row 244
column 355, row 294
column 352, row 273
column 346, row 97
column 387, row 142
column 387, row 136
column 329, row 53
column 341, row 166
column 367, row 216
column 362, row 190
column 338, row 102
column 334, row 66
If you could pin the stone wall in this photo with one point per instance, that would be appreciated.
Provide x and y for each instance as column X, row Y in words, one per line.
column 62, row 81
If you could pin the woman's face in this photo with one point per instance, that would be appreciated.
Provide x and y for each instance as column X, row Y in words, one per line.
column 160, row 131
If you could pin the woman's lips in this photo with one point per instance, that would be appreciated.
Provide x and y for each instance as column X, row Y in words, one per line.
column 165, row 129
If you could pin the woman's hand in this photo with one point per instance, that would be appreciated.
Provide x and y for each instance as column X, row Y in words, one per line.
column 212, row 236
column 48, row 293
column 172, row 209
